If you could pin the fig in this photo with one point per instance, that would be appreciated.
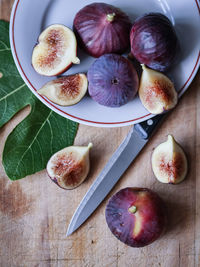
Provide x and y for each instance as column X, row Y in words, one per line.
column 69, row 167
column 113, row 80
column 56, row 50
column 156, row 91
column 154, row 41
column 136, row 216
column 67, row 90
column 169, row 162
column 102, row 28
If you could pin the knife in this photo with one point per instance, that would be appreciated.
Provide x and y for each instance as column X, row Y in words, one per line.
column 116, row 166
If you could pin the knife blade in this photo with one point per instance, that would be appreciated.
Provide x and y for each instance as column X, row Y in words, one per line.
column 131, row 146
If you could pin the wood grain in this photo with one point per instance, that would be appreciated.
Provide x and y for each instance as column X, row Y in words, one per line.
column 34, row 213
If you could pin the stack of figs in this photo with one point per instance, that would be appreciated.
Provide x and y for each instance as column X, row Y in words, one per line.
column 136, row 216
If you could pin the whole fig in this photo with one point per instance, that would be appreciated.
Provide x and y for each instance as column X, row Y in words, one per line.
column 102, row 28
column 154, row 41
column 136, row 216
column 113, row 80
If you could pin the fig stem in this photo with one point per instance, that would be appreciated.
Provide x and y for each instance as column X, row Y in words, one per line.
column 170, row 138
column 132, row 209
column 76, row 60
column 90, row 145
column 110, row 17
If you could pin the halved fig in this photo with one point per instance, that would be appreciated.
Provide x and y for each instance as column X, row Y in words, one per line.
column 56, row 50
column 69, row 167
column 67, row 90
column 136, row 216
column 156, row 91
column 169, row 162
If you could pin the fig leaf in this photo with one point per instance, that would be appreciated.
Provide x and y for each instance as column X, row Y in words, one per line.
column 42, row 133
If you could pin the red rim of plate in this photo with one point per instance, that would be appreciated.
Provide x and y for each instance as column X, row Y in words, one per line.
column 81, row 119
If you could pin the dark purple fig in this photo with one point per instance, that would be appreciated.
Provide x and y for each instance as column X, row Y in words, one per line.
column 136, row 216
column 154, row 41
column 102, row 28
column 113, row 80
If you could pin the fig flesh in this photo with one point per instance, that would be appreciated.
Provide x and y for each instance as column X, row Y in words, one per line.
column 56, row 50
column 102, row 28
column 156, row 91
column 169, row 162
column 69, row 167
column 154, row 41
column 113, row 80
column 67, row 90
column 136, row 216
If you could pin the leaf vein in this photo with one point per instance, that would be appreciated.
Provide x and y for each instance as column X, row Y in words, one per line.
column 5, row 108
column 51, row 130
column 40, row 151
column 35, row 138
column 6, row 47
column 13, row 92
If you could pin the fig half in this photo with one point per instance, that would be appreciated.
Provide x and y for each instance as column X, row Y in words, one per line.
column 66, row 91
column 56, row 50
column 113, row 81
column 169, row 162
column 69, row 167
column 136, row 216
column 156, row 91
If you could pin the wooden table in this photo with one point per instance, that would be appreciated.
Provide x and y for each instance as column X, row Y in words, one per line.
column 34, row 213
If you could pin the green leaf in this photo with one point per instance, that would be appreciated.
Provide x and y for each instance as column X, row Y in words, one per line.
column 14, row 94
column 43, row 132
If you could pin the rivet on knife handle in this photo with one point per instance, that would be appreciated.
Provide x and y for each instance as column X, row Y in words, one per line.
column 146, row 128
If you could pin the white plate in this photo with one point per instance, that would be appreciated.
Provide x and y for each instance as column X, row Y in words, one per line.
column 30, row 17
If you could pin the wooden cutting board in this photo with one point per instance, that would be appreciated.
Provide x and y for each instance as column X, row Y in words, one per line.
column 35, row 213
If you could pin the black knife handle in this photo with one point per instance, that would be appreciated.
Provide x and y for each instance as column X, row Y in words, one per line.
column 146, row 128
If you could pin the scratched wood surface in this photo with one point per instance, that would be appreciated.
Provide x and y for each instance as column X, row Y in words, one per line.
column 35, row 213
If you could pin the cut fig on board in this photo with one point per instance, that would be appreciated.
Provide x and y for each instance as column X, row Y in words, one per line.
column 56, row 51
column 169, row 162
column 67, row 90
column 69, row 167
column 156, row 91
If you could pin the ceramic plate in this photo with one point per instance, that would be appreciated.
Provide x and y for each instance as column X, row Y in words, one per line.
column 29, row 18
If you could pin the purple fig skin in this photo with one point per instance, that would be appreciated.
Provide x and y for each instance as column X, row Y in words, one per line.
column 113, row 81
column 150, row 211
column 99, row 36
column 56, row 182
column 154, row 41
